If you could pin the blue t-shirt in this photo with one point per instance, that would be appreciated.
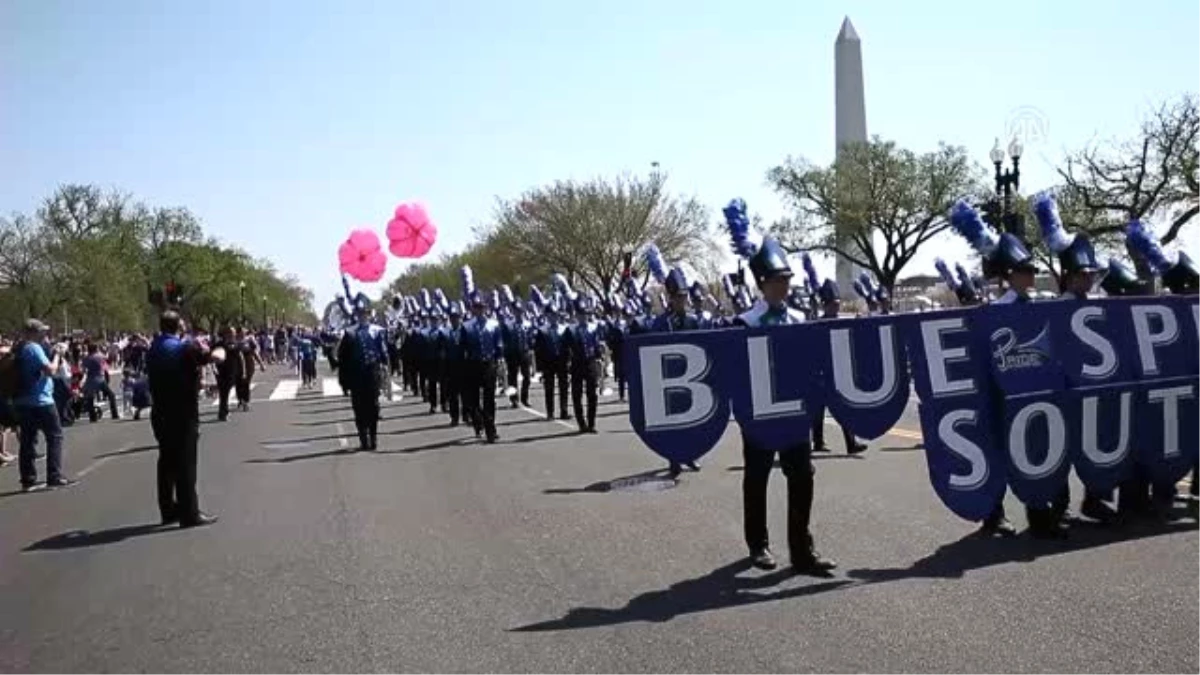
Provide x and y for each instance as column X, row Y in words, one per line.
column 36, row 389
column 308, row 352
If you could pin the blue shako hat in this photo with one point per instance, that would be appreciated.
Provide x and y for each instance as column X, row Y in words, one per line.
column 1120, row 279
column 1002, row 254
column 766, row 260
column 829, row 291
column 470, row 293
column 677, row 281
column 1074, row 250
column 1180, row 276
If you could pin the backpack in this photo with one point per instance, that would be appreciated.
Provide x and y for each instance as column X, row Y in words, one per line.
column 10, row 372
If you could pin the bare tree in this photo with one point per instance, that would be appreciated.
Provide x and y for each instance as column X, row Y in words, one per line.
column 876, row 205
column 1153, row 175
column 584, row 229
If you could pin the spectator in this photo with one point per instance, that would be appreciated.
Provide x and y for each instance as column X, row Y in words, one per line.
column 95, row 383
column 36, row 411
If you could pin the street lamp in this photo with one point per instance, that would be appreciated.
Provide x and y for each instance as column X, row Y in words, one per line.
column 1007, row 183
column 242, row 300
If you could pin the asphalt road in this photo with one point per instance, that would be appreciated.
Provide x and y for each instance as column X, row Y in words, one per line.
column 546, row 552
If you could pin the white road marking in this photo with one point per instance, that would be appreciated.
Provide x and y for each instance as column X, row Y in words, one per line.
column 539, row 413
column 285, row 390
column 330, row 387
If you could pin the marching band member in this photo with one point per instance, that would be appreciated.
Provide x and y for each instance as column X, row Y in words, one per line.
column 361, row 354
column 1181, row 277
column 831, row 307
column 770, row 269
column 585, row 345
column 518, row 333
column 1007, row 259
column 1077, row 257
column 675, row 316
column 452, row 372
column 551, row 355
column 435, row 360
column 482, row 346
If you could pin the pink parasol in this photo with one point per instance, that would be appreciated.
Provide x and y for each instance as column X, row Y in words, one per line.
column 410, row 233
column 362, row 257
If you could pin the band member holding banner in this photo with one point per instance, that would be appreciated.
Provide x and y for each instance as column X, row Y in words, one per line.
column 831, row 305
column 1181, row 277
column 769, row 266
column 676, row 317
column 1079, row 272
column 1005, row 258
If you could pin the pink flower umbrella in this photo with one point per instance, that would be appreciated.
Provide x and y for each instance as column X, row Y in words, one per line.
column 410, row 233
column 362, row 257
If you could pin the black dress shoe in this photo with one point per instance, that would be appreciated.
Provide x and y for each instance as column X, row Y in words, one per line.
column 763, row 559
column 60, row 482
column 857, row 448
column 592, row 430
column 810, row 563
column 674, row 471
column 1099, row 511
column 564, row 416
column 693, row 466
column 200, row 520
column 170, row 520
column 997, row 527
column 820, row 448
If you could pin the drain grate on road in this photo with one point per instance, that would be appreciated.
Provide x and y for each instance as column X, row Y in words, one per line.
column 642, row 484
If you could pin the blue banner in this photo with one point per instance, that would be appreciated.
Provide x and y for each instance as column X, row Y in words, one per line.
column 1010, row 396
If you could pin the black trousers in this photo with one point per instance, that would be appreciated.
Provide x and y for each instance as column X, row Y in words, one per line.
column 619, row 371
column 479, row 395
column 818, row 431
column 585, row 379
column 452, row 390
column 431, row 386
column 365, row 402
column 243, row 390
column 519, row 363
column 177, row 437
column 555, row 375
column 798, row 469
column 223, row 387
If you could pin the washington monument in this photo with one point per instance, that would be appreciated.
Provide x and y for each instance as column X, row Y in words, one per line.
column 850, row 111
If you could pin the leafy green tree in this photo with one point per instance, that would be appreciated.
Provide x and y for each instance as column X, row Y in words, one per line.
column 876, row 205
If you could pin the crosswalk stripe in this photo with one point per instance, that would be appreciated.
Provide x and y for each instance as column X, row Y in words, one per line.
column 330, row 387
column 285, row 390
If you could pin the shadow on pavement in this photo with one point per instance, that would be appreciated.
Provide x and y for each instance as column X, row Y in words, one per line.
column 613, row 413
column 816, row 457
column 972, row 552
column 910, row 448
column 523, row 420
column 718, row 589
column 537, row 437
column 84, row 539
column 321, row 423
column 296, row 458
column 655, row 479
column 128, row 451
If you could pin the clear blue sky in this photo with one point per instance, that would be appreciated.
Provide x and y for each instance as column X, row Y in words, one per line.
column 285, row 124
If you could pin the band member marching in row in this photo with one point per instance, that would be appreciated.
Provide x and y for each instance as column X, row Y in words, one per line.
column 551, row 354
column 585, row 345
column 518, row 333
column 769, row 266
column 482, row 348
